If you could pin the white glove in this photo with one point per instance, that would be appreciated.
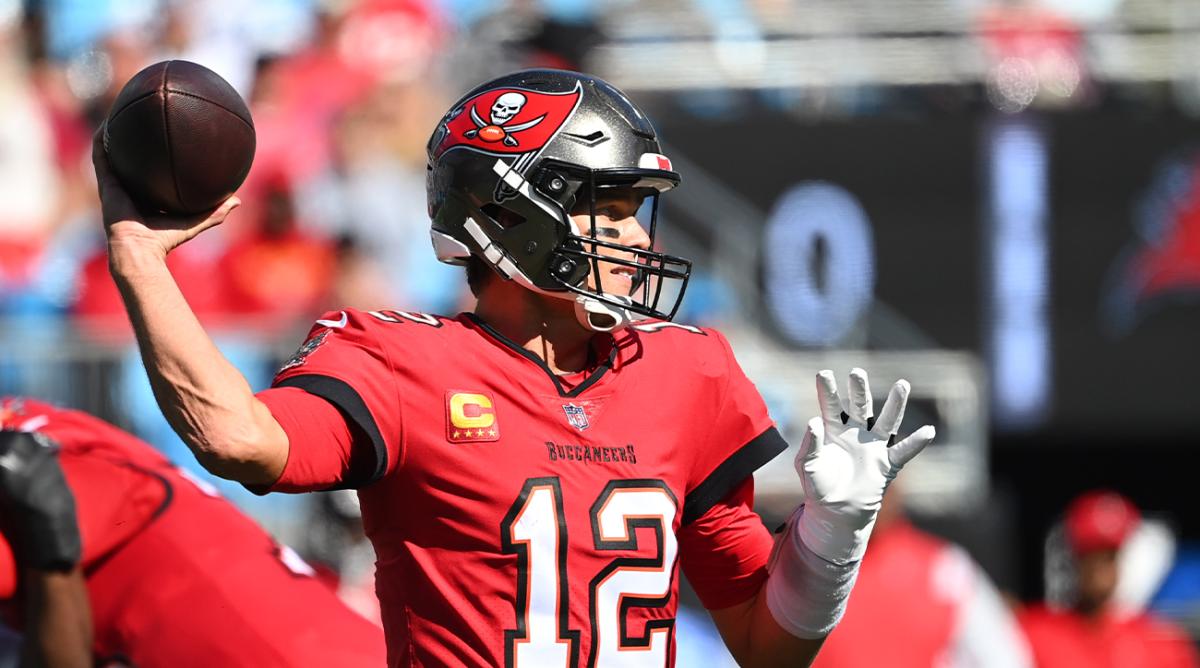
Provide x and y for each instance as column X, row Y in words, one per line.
column 846, row 461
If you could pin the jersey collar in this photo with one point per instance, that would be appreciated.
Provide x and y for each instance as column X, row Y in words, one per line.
column 605, row 345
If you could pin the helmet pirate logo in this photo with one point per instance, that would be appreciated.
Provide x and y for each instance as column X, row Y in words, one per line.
column 505, row 107
column 507, row 121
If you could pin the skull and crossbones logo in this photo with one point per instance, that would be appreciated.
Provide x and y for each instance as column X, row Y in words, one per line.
column 504, row 109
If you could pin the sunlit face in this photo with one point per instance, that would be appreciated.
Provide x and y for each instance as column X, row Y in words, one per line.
column 616, row 222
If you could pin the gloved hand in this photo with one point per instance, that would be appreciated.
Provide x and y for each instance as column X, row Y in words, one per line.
column 846, row 461
column 38, row 506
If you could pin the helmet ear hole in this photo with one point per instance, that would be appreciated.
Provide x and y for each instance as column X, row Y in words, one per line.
column 503, row 217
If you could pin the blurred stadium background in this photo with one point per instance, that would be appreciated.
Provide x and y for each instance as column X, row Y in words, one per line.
column 1018, row 182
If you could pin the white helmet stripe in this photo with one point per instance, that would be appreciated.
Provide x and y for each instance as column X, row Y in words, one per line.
column 514, row 180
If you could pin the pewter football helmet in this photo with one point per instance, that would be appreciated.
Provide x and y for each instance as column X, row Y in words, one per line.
column 530, row 147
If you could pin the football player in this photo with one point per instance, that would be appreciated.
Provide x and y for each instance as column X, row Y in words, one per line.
column 107, row 550
column 534, row 475
column 1095, row 629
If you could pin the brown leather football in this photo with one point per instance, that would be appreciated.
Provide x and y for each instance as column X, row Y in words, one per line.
column 179, row 138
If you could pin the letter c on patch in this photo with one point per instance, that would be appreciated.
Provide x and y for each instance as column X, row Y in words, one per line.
column 472, row 411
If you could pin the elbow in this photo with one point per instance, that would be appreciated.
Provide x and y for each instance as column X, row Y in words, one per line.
column 245, row 454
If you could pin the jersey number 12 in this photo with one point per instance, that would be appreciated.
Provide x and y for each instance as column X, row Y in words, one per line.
column 535, row 529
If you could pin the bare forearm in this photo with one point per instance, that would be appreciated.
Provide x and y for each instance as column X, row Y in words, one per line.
column 58, row 620
column 202, row 395
column 757, row 641
column 772, row 645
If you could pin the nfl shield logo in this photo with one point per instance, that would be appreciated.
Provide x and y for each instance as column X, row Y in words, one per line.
column 576, row 416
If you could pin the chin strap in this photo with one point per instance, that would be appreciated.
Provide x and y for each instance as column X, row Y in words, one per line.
column 597, row 316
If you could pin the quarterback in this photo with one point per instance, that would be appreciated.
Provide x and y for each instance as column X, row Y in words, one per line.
column 535, row 474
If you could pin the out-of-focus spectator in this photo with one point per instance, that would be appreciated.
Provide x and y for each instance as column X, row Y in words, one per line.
column 293, row 139
column 501, row 37
column 98, row 310
column 29, row 181
column 374, row 190
column 920, row 601
column 395, row 41
column 276, row 273
column 42, row 185
column 229, row 36
column 1094, row 631
column 269, row 276
column 297, row 98
column 360, row 282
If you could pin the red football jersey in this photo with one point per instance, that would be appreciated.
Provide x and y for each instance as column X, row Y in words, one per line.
column 1065, row 638
column 899, row 600
column 526, row 519
column 176, row 575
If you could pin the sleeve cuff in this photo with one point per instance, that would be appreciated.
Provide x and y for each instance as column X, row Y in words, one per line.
column 740, row 465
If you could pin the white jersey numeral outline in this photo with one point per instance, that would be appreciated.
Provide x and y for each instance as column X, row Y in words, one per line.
column 623, row 507
column 652, row 327
column 535, row 530
column 401, row 316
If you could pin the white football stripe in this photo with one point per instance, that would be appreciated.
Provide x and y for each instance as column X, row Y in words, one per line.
column 334, row 324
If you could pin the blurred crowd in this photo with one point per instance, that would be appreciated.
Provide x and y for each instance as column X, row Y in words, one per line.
column 343, row 94
column 334, row 208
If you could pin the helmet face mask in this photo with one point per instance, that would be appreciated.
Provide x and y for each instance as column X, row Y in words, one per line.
column 505, row 192
column 656, row 274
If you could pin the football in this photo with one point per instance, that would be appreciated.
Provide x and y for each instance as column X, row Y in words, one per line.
column 179, row 138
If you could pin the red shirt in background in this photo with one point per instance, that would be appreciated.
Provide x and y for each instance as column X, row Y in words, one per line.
column 101, row 313
column 1062, row 638
column 902, row 599
column 921, row 602
column 261, row 282
column 277, row 278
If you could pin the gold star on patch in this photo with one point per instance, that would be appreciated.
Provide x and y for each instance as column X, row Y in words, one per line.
column 457, row 434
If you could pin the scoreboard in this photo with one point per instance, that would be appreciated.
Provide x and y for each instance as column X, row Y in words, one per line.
column 1063, row 250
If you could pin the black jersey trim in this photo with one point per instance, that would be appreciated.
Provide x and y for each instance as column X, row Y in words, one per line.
column 591, row 380
column 726, row 477
column 168, row 499
column 346, row 398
